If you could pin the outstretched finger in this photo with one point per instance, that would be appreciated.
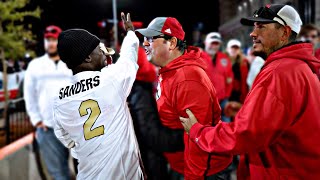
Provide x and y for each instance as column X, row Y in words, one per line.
column 182, row 119
column 123, row 17
column 128, row 17
column 191, row 115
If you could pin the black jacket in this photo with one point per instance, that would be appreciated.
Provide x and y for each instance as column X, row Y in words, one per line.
column 152, row 136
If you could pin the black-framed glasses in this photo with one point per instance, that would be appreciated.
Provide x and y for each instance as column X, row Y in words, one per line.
column 267, row 13
column 151, row 39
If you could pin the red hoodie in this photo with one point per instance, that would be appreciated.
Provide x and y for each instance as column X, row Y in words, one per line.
column 220, row 73
column 276, row 131
column 317, row 53
column 185, row 84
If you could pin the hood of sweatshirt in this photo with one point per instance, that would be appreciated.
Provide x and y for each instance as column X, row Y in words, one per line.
column 191, row 57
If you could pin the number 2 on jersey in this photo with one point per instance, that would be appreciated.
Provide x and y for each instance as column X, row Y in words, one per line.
column 93, row 116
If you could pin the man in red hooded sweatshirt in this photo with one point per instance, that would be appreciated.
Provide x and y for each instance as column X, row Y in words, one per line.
column 184, row 84
column 276, row 131
column 219, row 69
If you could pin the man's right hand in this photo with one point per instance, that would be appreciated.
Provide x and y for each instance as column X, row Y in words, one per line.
column 41, row 125
column 187, row 123
column 127, row 23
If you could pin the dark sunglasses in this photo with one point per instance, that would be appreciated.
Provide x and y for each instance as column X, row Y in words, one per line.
column 267, row 13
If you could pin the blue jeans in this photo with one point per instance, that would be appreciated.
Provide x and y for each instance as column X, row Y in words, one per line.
column 54, row 153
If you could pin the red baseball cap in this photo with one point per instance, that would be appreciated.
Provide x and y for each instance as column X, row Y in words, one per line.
column 52, row 31
column 163, row 25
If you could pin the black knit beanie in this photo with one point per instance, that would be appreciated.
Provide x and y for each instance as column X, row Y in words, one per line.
column 75, row 45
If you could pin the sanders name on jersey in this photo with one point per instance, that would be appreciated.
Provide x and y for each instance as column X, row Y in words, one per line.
column 80, row 86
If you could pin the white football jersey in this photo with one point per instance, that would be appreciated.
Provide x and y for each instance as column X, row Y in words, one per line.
column 91, row 113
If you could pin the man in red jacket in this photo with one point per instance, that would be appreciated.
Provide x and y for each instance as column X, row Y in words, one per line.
column 219, row 69
column 184, row 84
column 310, row 33
column 276, row 131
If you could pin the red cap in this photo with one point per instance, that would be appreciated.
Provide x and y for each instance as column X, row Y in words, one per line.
column 52, row 31
column 163, row 25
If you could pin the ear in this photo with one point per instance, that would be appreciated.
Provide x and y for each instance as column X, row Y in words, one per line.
column 286, row 33
column 173, row 43
column 88, row 59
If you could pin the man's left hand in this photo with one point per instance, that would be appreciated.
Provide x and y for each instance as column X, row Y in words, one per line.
column 187, row 123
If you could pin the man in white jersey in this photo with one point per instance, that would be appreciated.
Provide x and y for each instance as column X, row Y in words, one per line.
column 91, row 114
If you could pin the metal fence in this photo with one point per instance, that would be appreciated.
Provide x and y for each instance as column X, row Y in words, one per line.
column 17, row 123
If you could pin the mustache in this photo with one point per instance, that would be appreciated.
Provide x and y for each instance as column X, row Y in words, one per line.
column 256, row 41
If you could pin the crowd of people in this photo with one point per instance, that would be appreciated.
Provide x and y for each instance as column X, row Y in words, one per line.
column 164, row 109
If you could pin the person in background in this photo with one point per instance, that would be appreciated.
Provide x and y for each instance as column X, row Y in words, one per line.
column 197, row 33
column 310, row 33
column 219, row 69
column 240, row 69
column 42, row 80
column 256, row 63
column 183, row 84
column 276, row 131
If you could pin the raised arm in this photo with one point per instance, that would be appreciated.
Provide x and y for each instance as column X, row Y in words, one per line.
column 125, row 69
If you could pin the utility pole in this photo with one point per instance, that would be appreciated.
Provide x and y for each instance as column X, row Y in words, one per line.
column 115, row 23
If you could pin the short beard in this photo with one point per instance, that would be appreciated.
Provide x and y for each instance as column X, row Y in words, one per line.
column 53, row 54
column 212, row 52
column 261, row 54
